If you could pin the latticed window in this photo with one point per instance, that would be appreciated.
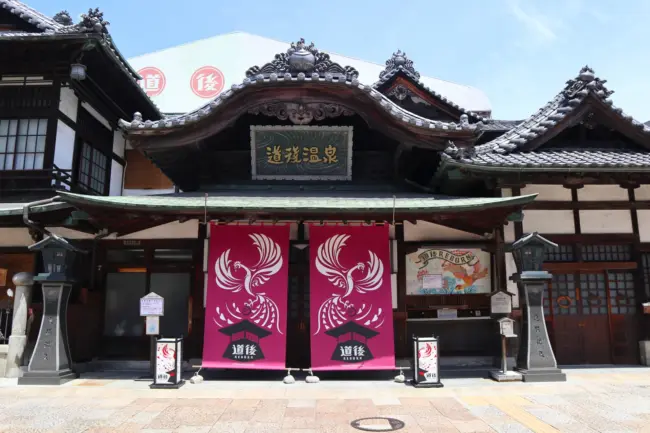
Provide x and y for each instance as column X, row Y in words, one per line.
column 606, row 253
column 93, row 167
column 621, row 293
column 563, row 253
column 563, row 290
column 22, row 144
column 593, row 293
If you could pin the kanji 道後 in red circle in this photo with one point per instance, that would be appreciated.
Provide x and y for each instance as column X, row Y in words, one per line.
column 207, row 82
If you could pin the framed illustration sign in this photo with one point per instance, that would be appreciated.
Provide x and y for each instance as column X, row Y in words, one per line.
column 441, row 271
column 301, row 152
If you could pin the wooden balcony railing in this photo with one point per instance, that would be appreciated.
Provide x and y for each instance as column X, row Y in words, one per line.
column 36, row 182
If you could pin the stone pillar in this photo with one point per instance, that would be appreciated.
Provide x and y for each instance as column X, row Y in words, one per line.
column 51, row 362
column 536, row 360
column 18, row 339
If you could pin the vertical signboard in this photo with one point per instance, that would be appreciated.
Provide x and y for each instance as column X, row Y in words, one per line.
column 246, row 305
column 426, row 368
column 351, row 305
column 169, row 359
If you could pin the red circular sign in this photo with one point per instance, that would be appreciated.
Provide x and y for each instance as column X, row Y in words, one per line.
column 153, row 80
column 207, row 82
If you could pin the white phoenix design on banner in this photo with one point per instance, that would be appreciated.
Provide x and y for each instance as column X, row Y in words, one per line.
column 260, row 309
column 337, row 310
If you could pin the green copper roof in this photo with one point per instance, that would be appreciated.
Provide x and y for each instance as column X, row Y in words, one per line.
column 16, row 209
column 412, row 203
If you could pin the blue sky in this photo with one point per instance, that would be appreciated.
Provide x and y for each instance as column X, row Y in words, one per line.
column 520, row 52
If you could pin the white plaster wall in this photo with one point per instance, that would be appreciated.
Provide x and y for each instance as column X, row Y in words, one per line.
column 147, row 191
column 426, row 231
column 172, row 230
column 511, row 287
column 391, row 228
column 506, row 192
column 119, row 144
column 548, row 221
column 64, row 147
column 642, row 193
column 509, row 232
column 548, row 192
column 70, row 234
column 644, row 224
column 15, row 237
column 101, row 119
column 602, row 193
column 117, row 170
column 605, row 221
column 68, row 103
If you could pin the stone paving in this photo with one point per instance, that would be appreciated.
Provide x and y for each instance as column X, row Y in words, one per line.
column 592, row 400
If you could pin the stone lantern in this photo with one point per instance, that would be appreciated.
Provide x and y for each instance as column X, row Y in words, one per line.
column 50, row 363
column 535, row 361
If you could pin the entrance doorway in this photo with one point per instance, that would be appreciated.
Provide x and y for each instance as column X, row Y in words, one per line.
column 592, row 317
column 298, row 348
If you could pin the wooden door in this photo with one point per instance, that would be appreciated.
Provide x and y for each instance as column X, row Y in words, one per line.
column 623, row 317
column 564, row 320
column 298, row 347
column 594, row 325
column 579, row 321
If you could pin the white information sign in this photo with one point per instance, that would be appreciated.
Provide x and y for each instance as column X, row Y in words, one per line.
column 447, row 313
column 153, row 325
column 501, row 303
column 432, row 281
column 507, row 328
column 427, row 361
column 152, row 305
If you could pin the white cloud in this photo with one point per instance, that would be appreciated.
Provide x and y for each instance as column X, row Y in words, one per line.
column 535, row 22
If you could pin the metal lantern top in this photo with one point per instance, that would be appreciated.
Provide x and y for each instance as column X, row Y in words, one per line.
column 59, row 257
column 528, row 252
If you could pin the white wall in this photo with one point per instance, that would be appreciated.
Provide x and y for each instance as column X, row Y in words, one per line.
column 605, row 221
column 548, row 221
column 119, row 144
column 147, row 191
column 643, row 216
column 509, row 232
column 117, row 172
column 602, row 193
column 64, row 147
column 426, row 231
column 642, row 193
column 68, row 103
column 548, row 192
column 101, row 119
column 173, row 230
column 15, row 237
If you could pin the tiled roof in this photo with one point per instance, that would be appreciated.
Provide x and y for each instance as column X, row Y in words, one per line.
column 565, row 103
column 588, row 159
column 521, row 145
column 399, row 62
column 30, row 15
column 499, row 125
column 229, row 203
column 91, row 23
column 300, row 64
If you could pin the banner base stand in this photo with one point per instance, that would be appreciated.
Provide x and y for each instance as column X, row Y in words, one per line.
column 400, row 378
column 167, row 386
column 426, row 385
column 311, row 378
column 289, row 379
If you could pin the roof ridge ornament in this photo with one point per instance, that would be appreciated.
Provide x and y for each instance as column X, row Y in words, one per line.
column 304, row 59
column 93, row 21
column 586, row 82
column 399, row 62
column 63, row 18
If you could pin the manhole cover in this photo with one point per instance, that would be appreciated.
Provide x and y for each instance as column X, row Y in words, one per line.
column 377, row 424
